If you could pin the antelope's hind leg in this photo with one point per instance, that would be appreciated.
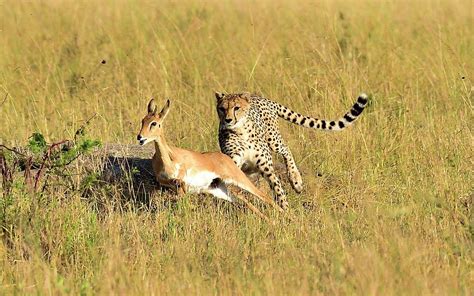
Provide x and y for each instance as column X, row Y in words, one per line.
column 219, row 189
column 252, row 207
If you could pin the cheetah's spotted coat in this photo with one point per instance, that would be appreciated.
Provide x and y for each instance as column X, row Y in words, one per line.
column 248, row 132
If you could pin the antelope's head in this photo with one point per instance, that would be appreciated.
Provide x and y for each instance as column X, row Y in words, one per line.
column 152, row 123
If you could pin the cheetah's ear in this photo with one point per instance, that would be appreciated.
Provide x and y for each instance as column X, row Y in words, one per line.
column 245, row 95
column 219, row 96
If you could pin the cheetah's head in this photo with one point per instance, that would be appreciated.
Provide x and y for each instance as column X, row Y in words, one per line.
column 232, row 109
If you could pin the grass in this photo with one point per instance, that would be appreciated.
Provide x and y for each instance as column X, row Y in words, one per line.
column 387, row 205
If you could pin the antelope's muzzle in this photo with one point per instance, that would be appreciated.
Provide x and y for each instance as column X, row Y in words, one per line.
column 141, row 139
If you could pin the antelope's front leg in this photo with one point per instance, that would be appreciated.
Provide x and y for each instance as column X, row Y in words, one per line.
column 176, row 185
column 179, row 186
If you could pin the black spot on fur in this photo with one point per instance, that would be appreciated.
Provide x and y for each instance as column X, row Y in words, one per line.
column 294, row 120
column 323, row 124
column 215, row 182
column 348, row 118
column 311, row 123
column 358, row 108
column 303, row 121
column 354, row 112
column 341, row 124
column 332, row 123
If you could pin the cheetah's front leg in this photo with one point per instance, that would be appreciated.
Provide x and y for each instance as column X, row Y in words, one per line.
column 237, row 158
column 279, row 146
column 264, row 163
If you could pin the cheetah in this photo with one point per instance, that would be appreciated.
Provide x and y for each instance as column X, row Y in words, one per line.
column 248, row 133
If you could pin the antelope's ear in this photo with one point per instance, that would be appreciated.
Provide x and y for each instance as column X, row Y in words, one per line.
column 165, row 110
column 219, row 96
column 152, row 107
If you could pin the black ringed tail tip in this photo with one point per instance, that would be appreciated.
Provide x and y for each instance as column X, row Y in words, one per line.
column 358, row 108
column 335, row 125
column 362, row 99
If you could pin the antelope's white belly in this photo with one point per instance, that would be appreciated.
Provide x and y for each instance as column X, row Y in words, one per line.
column 198, row 181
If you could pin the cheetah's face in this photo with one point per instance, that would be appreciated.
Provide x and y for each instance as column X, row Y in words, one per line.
column 232, row 110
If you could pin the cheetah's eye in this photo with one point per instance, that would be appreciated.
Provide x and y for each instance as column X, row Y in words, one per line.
column 236, row 108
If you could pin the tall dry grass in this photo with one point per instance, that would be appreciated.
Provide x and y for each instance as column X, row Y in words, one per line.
column 387, row 205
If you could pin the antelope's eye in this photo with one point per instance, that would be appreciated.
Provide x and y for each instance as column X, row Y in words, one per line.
column 236, row 108
column 153, row 123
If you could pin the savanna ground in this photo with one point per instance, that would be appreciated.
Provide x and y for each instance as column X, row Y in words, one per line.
column 387, row 205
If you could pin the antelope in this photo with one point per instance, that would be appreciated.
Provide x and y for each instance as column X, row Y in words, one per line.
column 195, row 172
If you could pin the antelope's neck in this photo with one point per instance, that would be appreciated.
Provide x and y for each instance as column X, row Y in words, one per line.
column 163, row 151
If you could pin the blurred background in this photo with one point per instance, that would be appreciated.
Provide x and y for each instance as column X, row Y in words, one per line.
column 387, row 206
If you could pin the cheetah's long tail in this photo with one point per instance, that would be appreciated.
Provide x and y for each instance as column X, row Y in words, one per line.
column 332, row 125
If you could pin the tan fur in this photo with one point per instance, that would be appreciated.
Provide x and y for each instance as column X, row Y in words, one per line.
column 173, row 166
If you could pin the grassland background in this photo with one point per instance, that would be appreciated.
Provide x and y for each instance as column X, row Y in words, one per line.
column 387, row 205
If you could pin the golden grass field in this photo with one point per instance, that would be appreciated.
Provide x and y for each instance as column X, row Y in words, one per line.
column 387, row 204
